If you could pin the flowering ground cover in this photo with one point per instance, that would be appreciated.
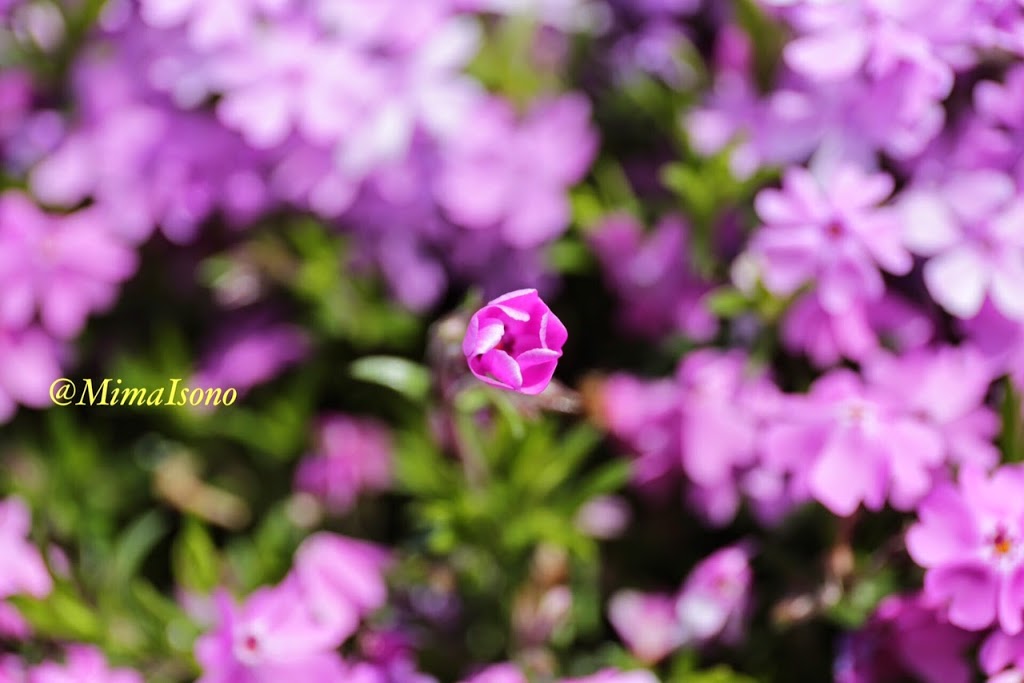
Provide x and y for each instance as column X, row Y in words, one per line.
column 511, row 341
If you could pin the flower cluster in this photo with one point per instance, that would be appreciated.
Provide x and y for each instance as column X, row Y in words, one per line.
column 531, row 307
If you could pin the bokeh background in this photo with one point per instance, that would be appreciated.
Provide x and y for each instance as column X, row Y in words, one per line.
column 786, row 238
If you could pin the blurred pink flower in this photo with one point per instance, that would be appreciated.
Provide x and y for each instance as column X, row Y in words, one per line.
column 271, row 637
column 514, row 176
column 830, row 233
column 714, row 602
column 498, row 673
column 946, row 389
column 651, row 274
column 972, row 228
column 905, row 637
column 249, row 353
column 29, row 364
column 63, row 267
column 970, row 540
column 340, row 581
column 852, row 444
column 616, row 676
column 352, row 456
column 22, row 570
column 647, row 623
column 82, row 664
column 514, row 342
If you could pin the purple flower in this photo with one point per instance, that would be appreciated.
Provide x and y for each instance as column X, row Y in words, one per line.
column 1000, row 340
column 28, row 366
column 972, row 227
column 272, row 636
column 644, row 415
column 353, row 455
column 857, row 333
column 946, row 389
column 514, row 342
column 249, row 354
column 211, row 23
column 651, row 275
column 1003, row 654
column 498, row 673
column 615, row 676
column 647, row 623
column 714, row 602
column 82, row 664
column 970, row 540
column 831, row 233
column 63, row 267
column 849, row 443
column 513, row 176
column 340, row 581
column 22, row 570
column 904, row 638
column 718, row 432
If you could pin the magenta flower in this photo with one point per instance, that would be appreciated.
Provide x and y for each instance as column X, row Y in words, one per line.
column 63, row 267
column 647, row 623
column 972, row 227
column 714, row 602
column 82, row 663
column 22, row 570
column 970, row 539
column 831, row 233
column 850, row 444
column 272, row 636
column 905, row 638
column 514, row 342
column 353, row 456
column 250, row 352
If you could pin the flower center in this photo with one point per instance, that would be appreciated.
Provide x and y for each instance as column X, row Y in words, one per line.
column 835, row 230
column 1002, row 544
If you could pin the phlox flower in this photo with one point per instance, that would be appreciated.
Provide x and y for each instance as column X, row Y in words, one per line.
column 972, row 228
column 211, row 23
column 830, row 233
column 82, row 664
column 514, row 342
column 905, row 638
column 513, row 175
column 647, row 623
column 271, row 637
column 353, row 455
column 846, row 444
column 22, row 570
column 29, row 363
column 62, row 267
column 651, row 275
column 968, row 537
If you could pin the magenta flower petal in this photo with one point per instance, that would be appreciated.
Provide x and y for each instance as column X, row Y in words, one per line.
column 514, row 342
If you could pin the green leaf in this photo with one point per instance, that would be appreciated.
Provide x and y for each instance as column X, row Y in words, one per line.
column 135, row 544
column 728, row 303
column 195, row 558
column 407, row 378
column 61, row 615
